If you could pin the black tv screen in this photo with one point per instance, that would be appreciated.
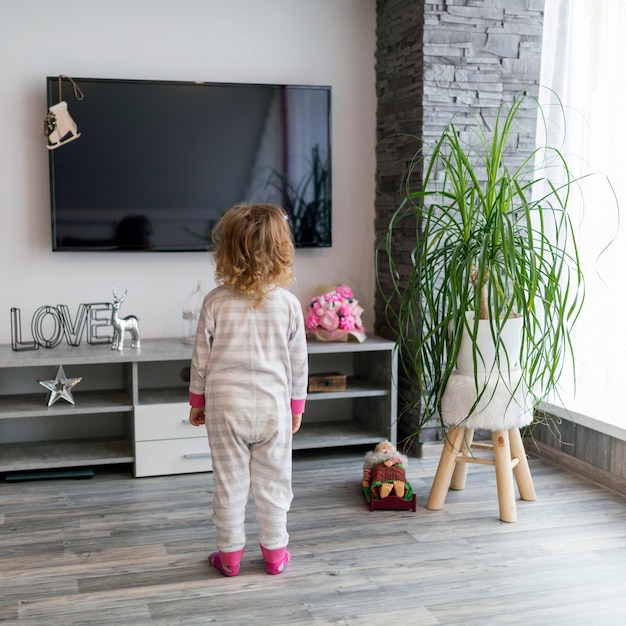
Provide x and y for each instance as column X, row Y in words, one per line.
column 158, row 162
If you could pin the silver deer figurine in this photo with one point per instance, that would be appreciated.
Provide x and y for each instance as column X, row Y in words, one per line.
column 122, row 325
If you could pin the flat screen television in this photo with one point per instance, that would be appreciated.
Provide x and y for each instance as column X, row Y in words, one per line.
column 158, row 162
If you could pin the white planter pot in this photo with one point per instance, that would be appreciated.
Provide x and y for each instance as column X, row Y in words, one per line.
column 485, row 352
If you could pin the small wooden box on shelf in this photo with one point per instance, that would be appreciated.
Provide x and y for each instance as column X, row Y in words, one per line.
column 327, row 381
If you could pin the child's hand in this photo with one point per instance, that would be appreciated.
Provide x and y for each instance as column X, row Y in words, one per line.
column 196, row 416
column 296, row 421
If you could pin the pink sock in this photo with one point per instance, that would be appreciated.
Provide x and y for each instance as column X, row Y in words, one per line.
column 226, row 562
column 275, row 560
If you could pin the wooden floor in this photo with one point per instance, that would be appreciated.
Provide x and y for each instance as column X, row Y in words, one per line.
column 118, row 550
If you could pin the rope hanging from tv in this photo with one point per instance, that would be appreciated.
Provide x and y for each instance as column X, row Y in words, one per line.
column 58, row 124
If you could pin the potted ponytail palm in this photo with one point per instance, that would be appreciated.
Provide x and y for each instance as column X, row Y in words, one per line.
column 494, row 245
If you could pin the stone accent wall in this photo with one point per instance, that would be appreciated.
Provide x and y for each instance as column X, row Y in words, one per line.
column 433, row 61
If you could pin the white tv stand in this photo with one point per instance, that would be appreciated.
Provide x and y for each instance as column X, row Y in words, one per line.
column 132, row 406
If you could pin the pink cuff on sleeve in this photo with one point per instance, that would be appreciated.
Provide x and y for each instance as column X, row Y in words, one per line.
column 297, row 406
column 196, row 400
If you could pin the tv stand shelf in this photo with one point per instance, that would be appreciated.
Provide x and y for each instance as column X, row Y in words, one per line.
column 61, row 454
column 131, row 406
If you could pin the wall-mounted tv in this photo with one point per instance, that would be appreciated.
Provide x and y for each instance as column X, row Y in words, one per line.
column 158, row 162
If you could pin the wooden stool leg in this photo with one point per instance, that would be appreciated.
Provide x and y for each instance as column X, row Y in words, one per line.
column 459, row 476
column 522, row 469
column 443, row 476
column 504, row 475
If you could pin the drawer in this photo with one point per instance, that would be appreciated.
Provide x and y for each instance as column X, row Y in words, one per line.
column 176, row 456
column 165, row 421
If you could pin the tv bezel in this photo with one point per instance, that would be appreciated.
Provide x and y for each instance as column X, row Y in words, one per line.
column 53, row 97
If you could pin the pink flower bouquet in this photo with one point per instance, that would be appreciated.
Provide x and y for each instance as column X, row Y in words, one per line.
column 335, row 316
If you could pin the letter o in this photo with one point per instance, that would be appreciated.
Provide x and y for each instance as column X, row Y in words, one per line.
column 37, row 326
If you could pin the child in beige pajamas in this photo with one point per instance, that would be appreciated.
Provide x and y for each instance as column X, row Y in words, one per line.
column 248, row 381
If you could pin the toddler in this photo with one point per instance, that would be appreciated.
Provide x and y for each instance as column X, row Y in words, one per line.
column 248, row 380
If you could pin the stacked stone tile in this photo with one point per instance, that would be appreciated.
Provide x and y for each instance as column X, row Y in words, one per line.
column 433, row 62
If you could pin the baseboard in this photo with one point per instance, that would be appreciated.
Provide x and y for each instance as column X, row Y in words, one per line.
column 581, row 468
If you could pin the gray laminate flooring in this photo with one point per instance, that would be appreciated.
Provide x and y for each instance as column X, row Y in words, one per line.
column 117, row 550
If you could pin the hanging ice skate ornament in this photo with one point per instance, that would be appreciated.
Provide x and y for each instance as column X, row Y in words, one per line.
column 335, row 316
column 58, row 124
column 122, row 325
column 60, row 387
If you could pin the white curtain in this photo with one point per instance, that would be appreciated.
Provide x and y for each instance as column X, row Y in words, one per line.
column 584, row 62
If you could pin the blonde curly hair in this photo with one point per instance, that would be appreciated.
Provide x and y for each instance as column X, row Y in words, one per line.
column 254, row 250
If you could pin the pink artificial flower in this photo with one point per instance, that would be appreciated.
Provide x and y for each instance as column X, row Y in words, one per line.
column 347, row 323
column 311, row 321
column 329, row 321
column 335, row 313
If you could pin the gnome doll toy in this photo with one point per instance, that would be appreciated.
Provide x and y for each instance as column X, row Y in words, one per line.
column 384, row 472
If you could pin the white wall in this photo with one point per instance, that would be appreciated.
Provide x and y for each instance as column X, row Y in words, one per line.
column 328, row 42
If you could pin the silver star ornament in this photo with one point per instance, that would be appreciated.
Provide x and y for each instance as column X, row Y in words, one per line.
column 60, row 387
